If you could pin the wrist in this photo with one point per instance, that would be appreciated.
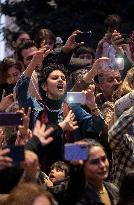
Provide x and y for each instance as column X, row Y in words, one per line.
column 62, row 125
column 93, row 107
column 66, row 49
column 23, row 133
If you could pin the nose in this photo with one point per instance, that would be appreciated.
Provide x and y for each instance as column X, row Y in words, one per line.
column 116, row 82
column 102, row 164
column 60, row 78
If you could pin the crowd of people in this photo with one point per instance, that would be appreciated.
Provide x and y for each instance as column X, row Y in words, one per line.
column 34, row 85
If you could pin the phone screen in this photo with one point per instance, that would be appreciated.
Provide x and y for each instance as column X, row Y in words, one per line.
column 83, row 37
column 75, row 151
column 11, row 119
column 76, row 97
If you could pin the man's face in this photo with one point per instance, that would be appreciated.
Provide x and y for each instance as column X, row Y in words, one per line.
column 109, row 83
column 28, row 55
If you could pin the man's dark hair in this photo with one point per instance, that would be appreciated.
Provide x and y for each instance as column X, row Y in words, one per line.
column 83, row 50
column 24, row 45
column 113, row 22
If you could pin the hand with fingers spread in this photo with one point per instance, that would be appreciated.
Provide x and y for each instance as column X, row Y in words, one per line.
column 69, row 123
column 37, row 59
column 71, row 43
column 24, row 133
column 40, row 55
column 43, row 134
column 5, row 161
column 6, row 101
column 98, row 67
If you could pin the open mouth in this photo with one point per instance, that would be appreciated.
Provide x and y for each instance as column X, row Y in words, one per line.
column 60, row 86
column 51, row 177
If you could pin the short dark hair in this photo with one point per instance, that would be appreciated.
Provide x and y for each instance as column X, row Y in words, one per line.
column 113, row 21
column 83, row 50
column 24, row 45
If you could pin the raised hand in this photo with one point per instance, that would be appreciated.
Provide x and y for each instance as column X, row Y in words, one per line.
column 40, row 55
column 90, row 97
column 37, row 59
column 24, row 133
column 69, row 123
column 71, row 43
column 43, row 135
column 6, row 101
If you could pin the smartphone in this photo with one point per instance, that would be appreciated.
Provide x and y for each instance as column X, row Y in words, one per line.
column 76, row 97
column 11, row 119
column 83, row 37
column 75, row 151
column 127, row 38
column 16, row 152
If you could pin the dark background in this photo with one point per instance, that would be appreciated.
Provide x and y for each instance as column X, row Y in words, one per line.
column 64, row 16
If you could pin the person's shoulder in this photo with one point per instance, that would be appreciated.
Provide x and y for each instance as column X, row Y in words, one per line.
column 112, row 187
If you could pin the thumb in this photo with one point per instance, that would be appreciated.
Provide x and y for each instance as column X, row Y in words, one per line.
column 3, row 94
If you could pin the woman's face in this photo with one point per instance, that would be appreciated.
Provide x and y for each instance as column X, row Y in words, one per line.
column 97, row 166
column 55, row 86
column 13, row 75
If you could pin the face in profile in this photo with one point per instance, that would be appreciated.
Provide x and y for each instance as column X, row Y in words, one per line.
column 55, row 86
column 97, row 166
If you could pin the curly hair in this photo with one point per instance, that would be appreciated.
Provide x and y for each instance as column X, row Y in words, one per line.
column 126, row 86
column 45, row 72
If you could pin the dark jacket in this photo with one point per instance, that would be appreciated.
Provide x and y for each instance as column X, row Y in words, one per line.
column 91, row 197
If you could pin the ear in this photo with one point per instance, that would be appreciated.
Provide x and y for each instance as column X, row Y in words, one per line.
column 44, row 87
column 100, row 86
column 13, row 44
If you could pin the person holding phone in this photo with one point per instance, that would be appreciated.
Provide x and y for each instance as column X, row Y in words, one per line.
column 122, row 51
column 52, row 108
column 95, row 169
column 10, row 71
